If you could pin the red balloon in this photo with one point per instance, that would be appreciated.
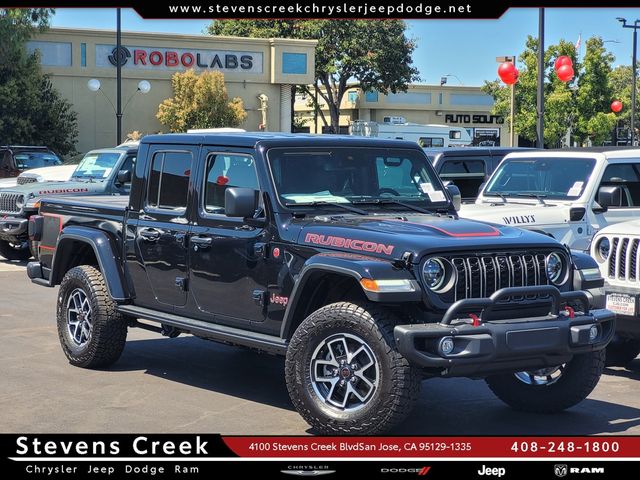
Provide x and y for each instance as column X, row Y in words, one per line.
column 508, row 73
column 565, row 73
column 563, row 60
column 616, row 106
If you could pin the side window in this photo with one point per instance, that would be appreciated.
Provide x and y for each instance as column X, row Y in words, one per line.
column 467, row 175
column 224, row 171
column 625, row 176
column 169, row 180
column 426, row 142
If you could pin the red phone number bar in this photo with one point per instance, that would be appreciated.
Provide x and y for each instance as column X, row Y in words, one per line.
column 351, row 447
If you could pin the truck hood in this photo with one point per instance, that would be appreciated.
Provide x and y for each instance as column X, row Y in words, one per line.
column 391, row 236
column 60, row 173
column 517, row 215
column 629, row 229
column 8, row 182
column 41, row 189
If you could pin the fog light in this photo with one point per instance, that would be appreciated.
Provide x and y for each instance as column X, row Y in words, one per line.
column 446, row 345
column 593, row 333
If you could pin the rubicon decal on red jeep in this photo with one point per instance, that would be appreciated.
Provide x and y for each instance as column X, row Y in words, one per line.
column 350, row 243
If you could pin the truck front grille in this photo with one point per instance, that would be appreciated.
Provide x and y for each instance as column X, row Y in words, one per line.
column 480, row 276
column 8, row 203
column 24, row 180
column 623, row 259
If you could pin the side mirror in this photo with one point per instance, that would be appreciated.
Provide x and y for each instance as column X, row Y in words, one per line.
column 456, row 196
column 610, row 196
column 124, row 176
column 240, row 202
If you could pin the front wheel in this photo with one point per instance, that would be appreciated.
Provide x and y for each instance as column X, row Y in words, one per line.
column 92, row 333
column 15, row 251
column 550, row 390
column 344, row 374
column 621, row 352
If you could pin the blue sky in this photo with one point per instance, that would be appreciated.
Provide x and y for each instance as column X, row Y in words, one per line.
column 464, row 48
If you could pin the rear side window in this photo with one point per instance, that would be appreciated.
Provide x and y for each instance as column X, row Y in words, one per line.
column 427, row 142
column 626, row 176
column 169, row 180
column 463, row 168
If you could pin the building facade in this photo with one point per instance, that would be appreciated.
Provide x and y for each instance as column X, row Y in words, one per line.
column 459, row 106
column 260, row 71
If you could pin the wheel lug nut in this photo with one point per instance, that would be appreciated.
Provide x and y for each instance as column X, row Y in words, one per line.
column 342, row 383
column 354, row 379
column 354, row 366
column 335, row 372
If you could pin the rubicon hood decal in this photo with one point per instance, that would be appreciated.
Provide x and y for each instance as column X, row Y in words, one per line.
column 59, row 191
column 350, row 243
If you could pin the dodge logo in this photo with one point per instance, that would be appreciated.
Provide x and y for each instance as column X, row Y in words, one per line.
column 560, row 470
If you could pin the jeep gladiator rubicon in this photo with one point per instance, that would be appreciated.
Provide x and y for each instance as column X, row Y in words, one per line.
column 569, row 194
column 616, row 249
column 343, row 254
column 100, row 172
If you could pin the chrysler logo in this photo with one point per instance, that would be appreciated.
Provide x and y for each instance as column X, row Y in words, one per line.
column 307, row 473
column 115, row 58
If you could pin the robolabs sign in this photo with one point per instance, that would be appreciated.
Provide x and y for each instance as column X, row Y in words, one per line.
column 152, row 58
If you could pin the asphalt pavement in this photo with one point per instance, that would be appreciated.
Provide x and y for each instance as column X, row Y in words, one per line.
column 187, row 385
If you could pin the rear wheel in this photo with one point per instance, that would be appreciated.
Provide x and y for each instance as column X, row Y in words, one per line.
column 15, row 251
column 550, row 390
column 92, row 333
column 344, row 374
column 621, row 352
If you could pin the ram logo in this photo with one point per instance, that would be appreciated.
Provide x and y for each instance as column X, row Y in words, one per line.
column 560, row 470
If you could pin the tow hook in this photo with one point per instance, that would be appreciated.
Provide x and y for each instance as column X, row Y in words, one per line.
column 570, row 311
column 475, row 319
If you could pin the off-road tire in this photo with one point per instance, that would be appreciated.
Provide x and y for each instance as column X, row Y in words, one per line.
column 11, row 252
column 399, row 383
column 579, row 378
column 109, row 328
column 621, row 352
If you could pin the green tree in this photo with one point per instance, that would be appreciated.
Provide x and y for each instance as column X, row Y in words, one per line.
column 621, row 81
column 33, row 112
column 580, row 106
column 200, row 101
column 372, row 55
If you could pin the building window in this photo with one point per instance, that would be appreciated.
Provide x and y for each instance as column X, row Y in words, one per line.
column 83, row 54
column 409, row 98
column 441, row 98
column 353, row 96
column 371, row 96
column 52, row 54
column 470, row 99
column 294, row 63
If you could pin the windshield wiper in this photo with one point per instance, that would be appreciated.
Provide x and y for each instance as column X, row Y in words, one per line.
column 391, row 201
column 502, row 196
column 316, row 203
column 537, row 196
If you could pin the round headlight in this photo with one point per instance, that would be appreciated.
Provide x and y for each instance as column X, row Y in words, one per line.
column 555, row 268
column 434, row 273
column 20, row 202
column 603, row 248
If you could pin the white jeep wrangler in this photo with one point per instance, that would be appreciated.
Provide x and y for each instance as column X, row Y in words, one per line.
column 617, row 251
column 569, row 194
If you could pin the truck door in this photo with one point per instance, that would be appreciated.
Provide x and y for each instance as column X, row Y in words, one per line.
column 226, row 256
column 161, row 228
column 626, row 177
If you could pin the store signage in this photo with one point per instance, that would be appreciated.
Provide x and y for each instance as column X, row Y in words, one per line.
column 473, row 118
column 178, row 59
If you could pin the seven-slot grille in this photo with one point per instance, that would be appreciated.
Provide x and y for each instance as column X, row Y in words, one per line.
column 25, row 180
column 8, row 202
column 623, row 259
column 480, row 276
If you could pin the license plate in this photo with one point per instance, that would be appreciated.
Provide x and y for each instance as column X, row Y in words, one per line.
column 621, row 304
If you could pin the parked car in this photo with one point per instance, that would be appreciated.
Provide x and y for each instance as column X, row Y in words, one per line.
column 345, row 255
column 15, row 159
column 104, row 171
column 568, row 194
column 467, row 167
column 616, row 249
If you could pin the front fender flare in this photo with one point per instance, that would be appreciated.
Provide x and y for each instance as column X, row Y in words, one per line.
column 357, row 267
column 105, row 250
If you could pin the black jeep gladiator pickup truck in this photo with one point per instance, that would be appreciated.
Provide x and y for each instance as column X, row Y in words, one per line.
column 343, row 254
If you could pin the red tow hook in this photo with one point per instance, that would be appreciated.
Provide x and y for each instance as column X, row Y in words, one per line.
column 570, row 311
column 476, row 319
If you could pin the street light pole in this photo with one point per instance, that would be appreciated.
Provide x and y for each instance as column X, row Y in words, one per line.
column 119, row 58
column 540, row 99
column 634, row 68
column 512, row 107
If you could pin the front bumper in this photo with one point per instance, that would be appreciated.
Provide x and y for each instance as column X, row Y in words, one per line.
column 13, row 229
column 497, row 346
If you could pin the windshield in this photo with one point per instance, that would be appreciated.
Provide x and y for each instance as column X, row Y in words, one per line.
column 96, row 165
column 354, row 175
column 27, row 160
column 555, row 178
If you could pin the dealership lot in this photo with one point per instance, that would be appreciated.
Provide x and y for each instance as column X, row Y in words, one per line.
column 191, row 385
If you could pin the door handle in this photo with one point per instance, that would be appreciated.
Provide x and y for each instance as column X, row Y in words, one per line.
column 149, row 234
column 201, row 242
